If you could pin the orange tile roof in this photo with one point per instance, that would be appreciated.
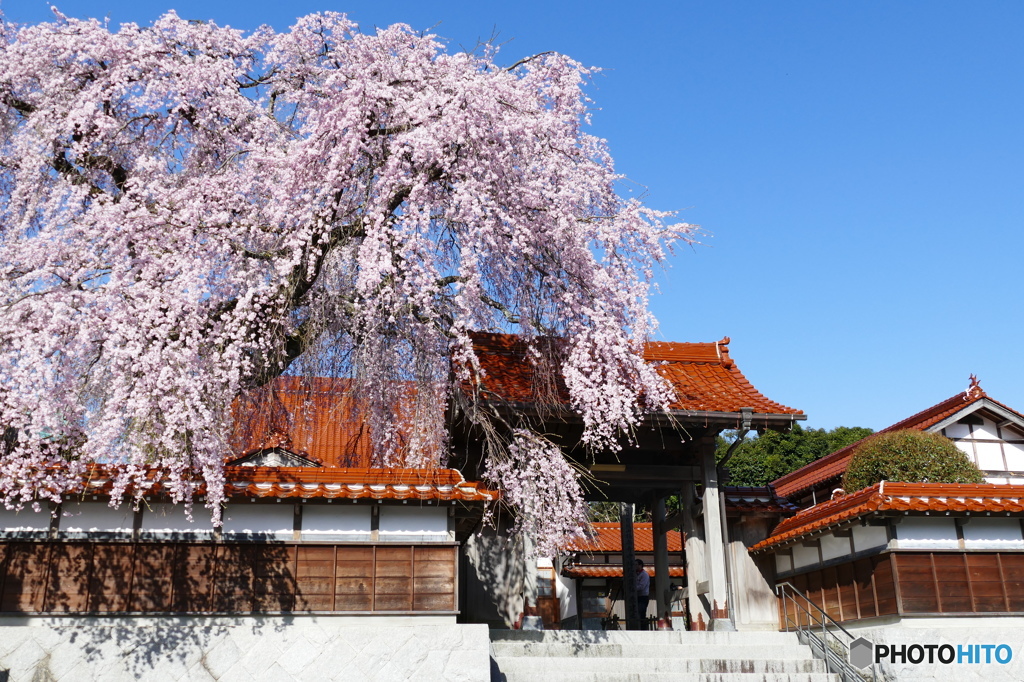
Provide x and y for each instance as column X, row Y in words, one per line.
column 703, row 375
column 309, row 482
column 314, row 417
column 609, row 571
column 889, row 496
column 354, row 484
column 832, row 467
column 607, row 537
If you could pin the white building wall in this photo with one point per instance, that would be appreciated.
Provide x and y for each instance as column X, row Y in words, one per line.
column 164, row 517
column 406, row 523
column 336, row 522
column 926, row 532
column 805, row 556
column 262, row 520
column 869, row 537
column 834, row 548
column 25, row 520
column 993, row 533
column 80, row 517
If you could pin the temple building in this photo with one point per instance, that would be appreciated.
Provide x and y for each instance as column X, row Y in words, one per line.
column 905, row 553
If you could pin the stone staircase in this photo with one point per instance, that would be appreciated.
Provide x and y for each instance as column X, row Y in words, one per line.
column 622, row 656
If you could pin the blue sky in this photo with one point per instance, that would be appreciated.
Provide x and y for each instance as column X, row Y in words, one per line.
column 859, row 167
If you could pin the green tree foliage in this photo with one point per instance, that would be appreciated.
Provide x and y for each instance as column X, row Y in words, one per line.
column 911, row 457
column 760, row 460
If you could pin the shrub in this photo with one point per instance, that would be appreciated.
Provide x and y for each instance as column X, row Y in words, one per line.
column 910, row 457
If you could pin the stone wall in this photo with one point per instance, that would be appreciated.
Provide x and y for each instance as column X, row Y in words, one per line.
column 219, row 648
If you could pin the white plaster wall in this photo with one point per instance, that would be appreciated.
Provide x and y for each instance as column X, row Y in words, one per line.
column 986, row 430
column 869, row 537
column 96, row 517
column 335, row 522
column 24, row 520
column 805, row 556
column 993, row 533
column 783, row 563
column 967, row 449
column 245, row 519
column 1014, row 456
column 273, row 649
column 400, row 522
column 833, row 547
column 926, row 532
column 990, row 456
column 159, row 517
column 957, row 430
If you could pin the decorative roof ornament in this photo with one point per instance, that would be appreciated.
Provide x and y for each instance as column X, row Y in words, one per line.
column 974, row 390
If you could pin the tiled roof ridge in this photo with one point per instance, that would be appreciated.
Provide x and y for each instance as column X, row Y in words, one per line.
column 803, row 479
column 608, row 525
column 612, row 571
column 897, row 496
column 704, row 376
column 309, row 482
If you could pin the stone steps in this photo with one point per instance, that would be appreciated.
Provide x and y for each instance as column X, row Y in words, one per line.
column 585, row 664
column 685, row 651
column 667, row 677
column 624, row 656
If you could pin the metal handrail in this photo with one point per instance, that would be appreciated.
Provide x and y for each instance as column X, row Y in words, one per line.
column 837, row 658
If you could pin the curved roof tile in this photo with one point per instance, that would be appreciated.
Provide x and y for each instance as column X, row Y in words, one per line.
column 888, row 496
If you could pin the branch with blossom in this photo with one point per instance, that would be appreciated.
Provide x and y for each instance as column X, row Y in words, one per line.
column 189, row 211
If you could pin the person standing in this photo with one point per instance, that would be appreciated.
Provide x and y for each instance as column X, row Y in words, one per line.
column 643, row 590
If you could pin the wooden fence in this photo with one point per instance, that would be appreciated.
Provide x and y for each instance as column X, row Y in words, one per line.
column 199, row 578
column 917, row 583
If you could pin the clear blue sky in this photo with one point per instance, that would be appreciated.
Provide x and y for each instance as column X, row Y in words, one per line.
column 859, row 165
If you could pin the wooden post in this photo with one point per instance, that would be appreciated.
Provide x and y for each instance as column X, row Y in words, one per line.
column 628, row 566
column 663, row 599
column 578, row 584
column 714, row 527
column 531, row 616
column 696, row 564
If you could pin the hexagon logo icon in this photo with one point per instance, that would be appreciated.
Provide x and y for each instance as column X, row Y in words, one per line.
column 862, row 653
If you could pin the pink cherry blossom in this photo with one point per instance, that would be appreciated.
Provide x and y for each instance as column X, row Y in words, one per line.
column 189, row 211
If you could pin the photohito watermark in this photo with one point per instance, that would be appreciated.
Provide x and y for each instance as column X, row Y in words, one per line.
column 863, row 653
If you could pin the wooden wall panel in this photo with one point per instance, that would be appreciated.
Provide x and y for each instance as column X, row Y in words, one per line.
column 110, row 580
column 885, row 585
column 176, row 577
column 193, row 578
column 274, row 578
column 354, row 579
column 151, row 588
column 67, row 583
column 986, row 582
column 864, row 586
column 954, row 590
column 847, row 586
column 434, row 578
column 25, row 583
column 393, row 586
column 916, row 575
column 830, row 593
column 233, row 581
column 314, row 578
column 918, row 582
column 1013, row 579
